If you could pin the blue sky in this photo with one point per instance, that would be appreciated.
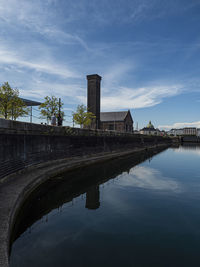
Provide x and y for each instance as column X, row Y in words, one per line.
column 147, row 52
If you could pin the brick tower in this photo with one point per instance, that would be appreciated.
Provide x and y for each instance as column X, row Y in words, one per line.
column 93, row 98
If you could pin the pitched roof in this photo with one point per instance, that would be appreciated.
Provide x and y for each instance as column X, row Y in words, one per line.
column 113, row 116
column 148, row 129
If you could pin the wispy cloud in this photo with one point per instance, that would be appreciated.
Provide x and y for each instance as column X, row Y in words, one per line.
column 37, row 14
column 178, row 125
column 131, row 98
column 114, row 74
column 37, row 17
column 39, row 89
column 45, row 45
column 53, row 33
column 128, row 98
column 10, row 57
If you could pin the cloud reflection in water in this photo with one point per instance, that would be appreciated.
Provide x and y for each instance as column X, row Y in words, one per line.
column 148, row 178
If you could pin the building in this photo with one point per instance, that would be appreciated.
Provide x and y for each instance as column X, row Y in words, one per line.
column 114, row 121
column 184, row 131
column 120, row 121
column 176, row 132
column 190, row 131
column 150, row 130
column 179, row 132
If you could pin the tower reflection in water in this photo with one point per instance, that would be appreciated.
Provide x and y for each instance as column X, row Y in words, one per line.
column 92, row 198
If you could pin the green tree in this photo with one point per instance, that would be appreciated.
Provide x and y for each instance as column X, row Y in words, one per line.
column 50, row 107
column 82, row 116
column 11, row 106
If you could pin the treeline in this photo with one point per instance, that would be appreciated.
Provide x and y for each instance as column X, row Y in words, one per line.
column 13, row 107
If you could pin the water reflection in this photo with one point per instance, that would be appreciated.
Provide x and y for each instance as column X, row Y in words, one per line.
column 189, row 147
column 115, row 214
column 92, row 198
column 149, row 178
column 64, row 188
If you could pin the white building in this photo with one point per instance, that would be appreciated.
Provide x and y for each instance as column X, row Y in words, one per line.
column 190, row 131
column 198, row 131
column 184, row 131
column 150, row 130
column 176, row 132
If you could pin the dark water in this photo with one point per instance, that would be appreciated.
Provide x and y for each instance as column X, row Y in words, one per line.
column 116, row 214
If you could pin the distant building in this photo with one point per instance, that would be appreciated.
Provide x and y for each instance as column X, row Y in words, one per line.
column 179, row 132
column 184, row 131
column 120, row 121
column 150, row 130
column 198, row 131
column 176, row 132
column 190, row 131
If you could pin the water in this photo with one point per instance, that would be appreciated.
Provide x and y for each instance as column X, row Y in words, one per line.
column 116, row 214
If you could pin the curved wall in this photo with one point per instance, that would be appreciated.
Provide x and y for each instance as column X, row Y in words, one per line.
column 25, row 144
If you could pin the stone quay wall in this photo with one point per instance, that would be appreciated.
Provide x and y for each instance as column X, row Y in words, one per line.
column 190, row 139
column 25, row 144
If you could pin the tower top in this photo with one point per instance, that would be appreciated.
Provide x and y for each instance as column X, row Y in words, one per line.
column 93, row 76
column 150, row 125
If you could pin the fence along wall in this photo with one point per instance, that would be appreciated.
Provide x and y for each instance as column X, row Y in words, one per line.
column 25, row 144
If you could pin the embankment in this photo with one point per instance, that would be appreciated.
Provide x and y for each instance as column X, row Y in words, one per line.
column 26, row 144
column 30, row 154
column 190, row 139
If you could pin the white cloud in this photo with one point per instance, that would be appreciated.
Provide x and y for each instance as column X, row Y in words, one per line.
column 62, row 37
column 128, row 98
column 115, row 73
column 178, row 125
column 8, row 56
column 38, row 13
column 23, row 12
column 37, row 17
column 47, row 19
column 38, row 90
column 139, row 12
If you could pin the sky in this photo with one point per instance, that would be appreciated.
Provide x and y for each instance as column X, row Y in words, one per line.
column 147, row 53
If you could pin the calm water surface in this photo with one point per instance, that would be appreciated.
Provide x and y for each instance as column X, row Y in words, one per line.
column 120, row 214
